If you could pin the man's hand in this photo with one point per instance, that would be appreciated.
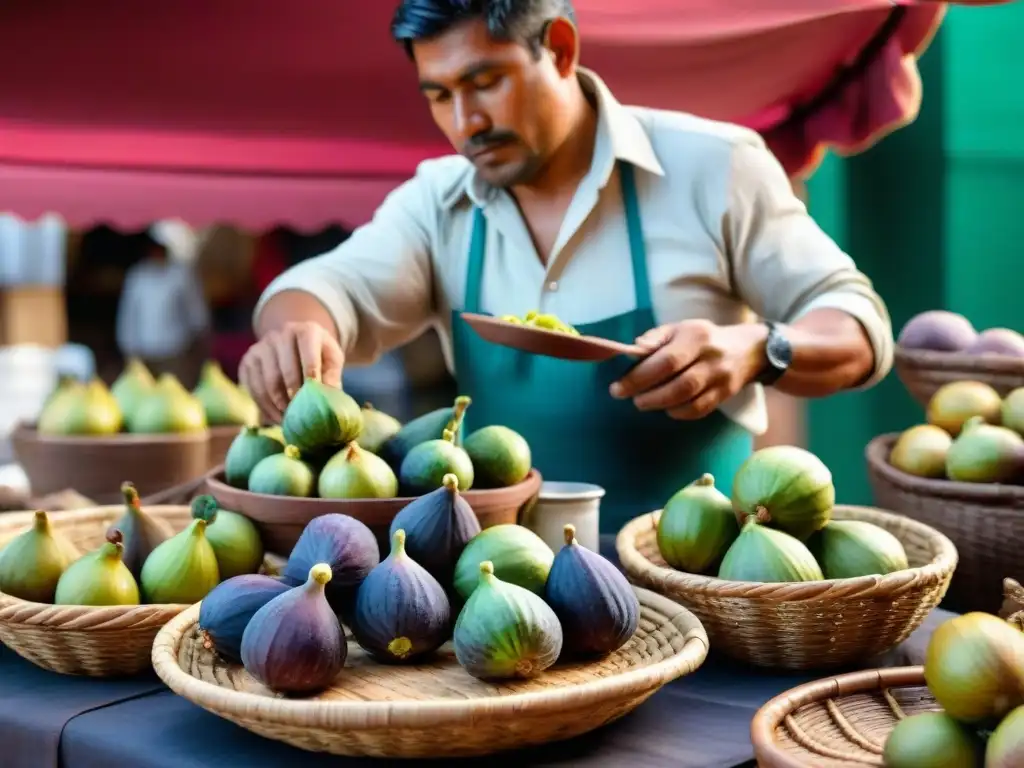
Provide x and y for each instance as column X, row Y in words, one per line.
column 274, row 367
column 693, row 367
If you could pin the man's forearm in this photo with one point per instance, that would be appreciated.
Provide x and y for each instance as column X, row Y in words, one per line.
column 831, row 353
column 293, row 307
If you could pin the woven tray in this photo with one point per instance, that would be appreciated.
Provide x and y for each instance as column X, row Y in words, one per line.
column 437, row 709
column 80, row 640
column 805, row 625
column 839, row 722
column 924, row 372
column 984, row 522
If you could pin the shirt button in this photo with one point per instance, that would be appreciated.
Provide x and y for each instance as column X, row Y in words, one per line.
column 553, row 285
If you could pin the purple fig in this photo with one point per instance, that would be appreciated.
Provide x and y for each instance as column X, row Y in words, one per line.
column 998, row 341
column 346, row 545
column 294, row 643
column 227, row 610
column 401, row 611
column 938, row 331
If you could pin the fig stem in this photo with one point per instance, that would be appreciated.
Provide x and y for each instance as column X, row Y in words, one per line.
column 352, row 451
column 131, row 496
column 320, row 574
column 114, row 536
column 462, row 402
column 486, row 568
column 41, row 521
column 707, row 479
column 569, row 532
column 368, row 406
column 762, row 515
column 199, row 527
column 451, row 482
column 398, row 542
column 292, row 452
column 448, row 435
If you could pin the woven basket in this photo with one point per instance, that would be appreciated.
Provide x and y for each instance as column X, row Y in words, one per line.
column 924, row 372
column 839, row 722
column 436, row 709
column 80, row 640
column 803, row 625
column 984, row 522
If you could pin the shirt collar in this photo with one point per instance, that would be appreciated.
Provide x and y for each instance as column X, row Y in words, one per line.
column 620, row 136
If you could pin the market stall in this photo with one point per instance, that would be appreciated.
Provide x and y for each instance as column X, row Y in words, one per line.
column 308, row 117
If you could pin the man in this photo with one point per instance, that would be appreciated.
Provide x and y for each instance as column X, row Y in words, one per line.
column 631, row 224
column 162, row 317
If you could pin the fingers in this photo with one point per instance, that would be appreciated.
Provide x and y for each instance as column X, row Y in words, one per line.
column 656, row 369
column 654, row 338
column 269, row 362
column 702, row 405
column 332, row 361
column 250, row 372
column 678, row 390
column 287, row 353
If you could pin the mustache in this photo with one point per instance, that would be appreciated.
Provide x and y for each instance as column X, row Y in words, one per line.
column 484, row 141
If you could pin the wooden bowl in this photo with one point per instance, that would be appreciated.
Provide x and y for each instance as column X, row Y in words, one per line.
column 281, row 519
column 96, row 466
column 923, row 372
column 541, row 341
column 434, row 708
column 839, row 721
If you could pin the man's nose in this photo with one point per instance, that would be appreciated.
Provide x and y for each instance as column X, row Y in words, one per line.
column 469, row 119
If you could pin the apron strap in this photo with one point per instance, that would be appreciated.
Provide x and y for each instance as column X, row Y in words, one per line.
column 475, row 271
column 637, row 248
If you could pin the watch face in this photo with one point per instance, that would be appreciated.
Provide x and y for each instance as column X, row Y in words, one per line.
column 778, row 351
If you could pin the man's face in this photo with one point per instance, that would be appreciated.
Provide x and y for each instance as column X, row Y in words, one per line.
column 496, row 102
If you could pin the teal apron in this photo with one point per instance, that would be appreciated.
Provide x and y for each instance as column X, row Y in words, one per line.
column 577, row 431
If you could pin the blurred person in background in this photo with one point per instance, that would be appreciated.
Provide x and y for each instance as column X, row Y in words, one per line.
column 679, row 234
column 162, row 315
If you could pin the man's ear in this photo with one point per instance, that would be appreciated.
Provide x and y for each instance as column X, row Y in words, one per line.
column 562, row 39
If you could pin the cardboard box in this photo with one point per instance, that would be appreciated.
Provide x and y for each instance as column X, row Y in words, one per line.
column 33, row 314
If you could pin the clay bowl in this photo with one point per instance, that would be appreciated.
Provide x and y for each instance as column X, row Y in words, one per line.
column 96, row 466
column 281, row 519
column 541, row 341
column 220, row 440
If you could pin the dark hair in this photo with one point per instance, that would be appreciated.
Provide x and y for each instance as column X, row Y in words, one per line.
column 521, row 21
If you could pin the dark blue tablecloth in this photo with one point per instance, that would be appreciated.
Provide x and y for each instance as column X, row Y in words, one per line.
column 52, row 721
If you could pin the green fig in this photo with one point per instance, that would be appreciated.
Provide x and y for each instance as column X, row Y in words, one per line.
column 234, row 538
column 32, row 562
column 182, row 570
column 501, row 457
column 425, row 466
column 321, row 419
column 847, row 549
column 169, row 408
column 765, row 555
column 224, row 402
column 429, row 426
column 955, row 403
column 99, row 578
column 82, row 409
column 505, row 631
column 247, row 450
column 983, row 453
column 1006, row 744
column 922, row 451
column 284, row 474
column 1013, row 411
column 378, row 428
column 65, row 382
column 131, row 388
column 697, row 526
column 931, row 740
column 517, row 554
column 141, row 533
column 354, row 473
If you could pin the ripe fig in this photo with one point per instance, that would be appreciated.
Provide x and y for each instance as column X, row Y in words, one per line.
column 182, row 570
column 141, row 533
column 516, row 554
column 321, row 419
column 99, row 578
column 32, row 562
column 284, row 474
column 378, row 428
column 245, row 452
column 294, row 643
column 226, row 611
column 696, row 527
column 234, row 538
column 355, row 473
column 765, row 555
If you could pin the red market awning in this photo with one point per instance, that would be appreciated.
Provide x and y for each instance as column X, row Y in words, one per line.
column 262, row 113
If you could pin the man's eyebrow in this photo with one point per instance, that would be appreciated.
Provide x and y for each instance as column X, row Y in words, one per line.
column 470, row 73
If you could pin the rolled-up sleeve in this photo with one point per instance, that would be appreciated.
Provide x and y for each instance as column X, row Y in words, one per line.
column 378, row 284
column 784, row 265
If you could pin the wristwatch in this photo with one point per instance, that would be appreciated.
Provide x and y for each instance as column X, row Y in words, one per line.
column 779, row 354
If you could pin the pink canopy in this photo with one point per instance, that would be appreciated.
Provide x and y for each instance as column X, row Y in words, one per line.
column 261, row 112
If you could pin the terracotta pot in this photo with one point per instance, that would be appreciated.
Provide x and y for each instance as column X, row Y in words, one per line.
column 96, row 466
column 281, row 519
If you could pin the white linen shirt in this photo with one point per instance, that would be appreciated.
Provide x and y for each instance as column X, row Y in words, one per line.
column 726, row 238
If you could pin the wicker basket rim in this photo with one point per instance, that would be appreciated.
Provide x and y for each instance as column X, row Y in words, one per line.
column 372, row 714
column 958, row 361
column 877, row 454
column 14, row 610
column 26, row 433
column 768, row 718
column 943, row 562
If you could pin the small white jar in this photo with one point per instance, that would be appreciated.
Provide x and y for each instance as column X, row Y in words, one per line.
column 560, row 503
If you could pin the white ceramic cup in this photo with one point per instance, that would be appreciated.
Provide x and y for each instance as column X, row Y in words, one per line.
column 560, row 503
